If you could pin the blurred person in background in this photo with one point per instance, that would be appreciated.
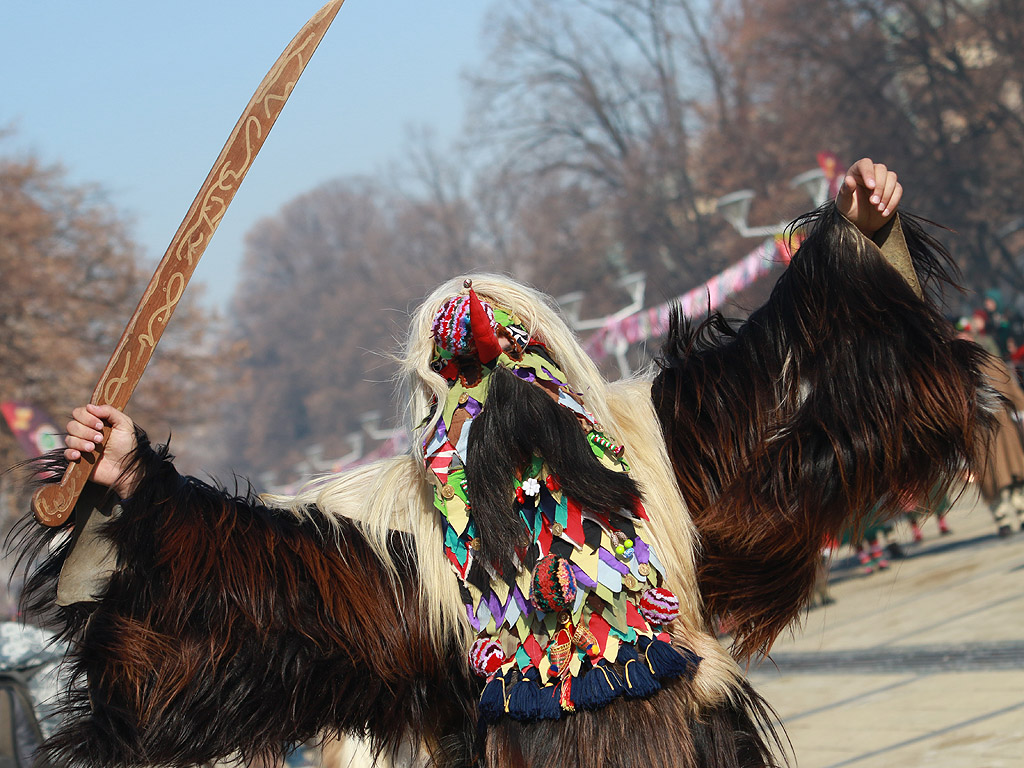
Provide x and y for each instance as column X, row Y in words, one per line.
column 1001, row 478
column 936, row 505
column 997, row 324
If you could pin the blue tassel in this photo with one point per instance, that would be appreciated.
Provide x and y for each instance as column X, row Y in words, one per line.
column 597, row 687
column 492, row 700
column 552, row 709
column 665, row 660
column 639, row 680
column 529, row 701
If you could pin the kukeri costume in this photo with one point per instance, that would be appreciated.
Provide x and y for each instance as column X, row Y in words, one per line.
column 535, row 584
column 1001, row 467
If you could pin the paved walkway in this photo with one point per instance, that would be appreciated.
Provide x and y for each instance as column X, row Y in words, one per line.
column 918, row 665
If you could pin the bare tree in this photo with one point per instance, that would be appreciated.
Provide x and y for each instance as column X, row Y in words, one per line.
column 932, row 86
column 602, row 131
column 323, row 304
column 600, row 98
column 71, row 280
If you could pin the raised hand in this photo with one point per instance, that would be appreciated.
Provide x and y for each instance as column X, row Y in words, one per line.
column 869, row 195
column 85, row 434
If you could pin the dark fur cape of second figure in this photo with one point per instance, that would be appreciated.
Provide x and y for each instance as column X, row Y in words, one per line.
column 845, row 395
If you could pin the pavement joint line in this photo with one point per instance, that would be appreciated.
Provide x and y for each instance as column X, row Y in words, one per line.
column 929, row 659
column 982, row 575
column 929, row 735
column 950, row 619
column 783, row 721
column 967, row 670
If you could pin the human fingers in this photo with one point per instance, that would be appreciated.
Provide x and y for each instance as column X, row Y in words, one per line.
column 878, row 173
column 111, row 415
column 862, row 173
column 894, row 200
column 82, row 436
column 849, row 185
column 845, row 200
column 76, row 446
column 83, row 416
column 885, row 205
column 885, row 191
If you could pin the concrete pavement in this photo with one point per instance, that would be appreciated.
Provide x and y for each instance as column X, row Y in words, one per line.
column 918, row 665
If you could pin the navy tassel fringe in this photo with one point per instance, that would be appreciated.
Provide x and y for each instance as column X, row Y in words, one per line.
column 597, row 687
column 529, row 701
column 640, row 683
column 665, row 660
column 522, row 696
column 492, row 700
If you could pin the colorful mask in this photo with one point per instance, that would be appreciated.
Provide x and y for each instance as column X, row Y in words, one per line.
column 570, row 610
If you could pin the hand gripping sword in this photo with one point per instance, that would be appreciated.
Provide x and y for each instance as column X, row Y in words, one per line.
column 52, row 504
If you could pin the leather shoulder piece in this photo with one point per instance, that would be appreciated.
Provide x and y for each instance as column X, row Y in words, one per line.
column 893, row 245
column 92, row 560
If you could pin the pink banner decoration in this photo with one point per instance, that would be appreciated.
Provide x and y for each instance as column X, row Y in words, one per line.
column 653, row 322
column 33, row 429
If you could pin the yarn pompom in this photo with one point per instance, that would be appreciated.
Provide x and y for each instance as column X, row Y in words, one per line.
column 659, row 606
column 486, row 656
column 452, row 326
column 554, row 584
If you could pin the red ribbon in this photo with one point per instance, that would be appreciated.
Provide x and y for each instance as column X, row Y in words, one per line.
column 487, row 346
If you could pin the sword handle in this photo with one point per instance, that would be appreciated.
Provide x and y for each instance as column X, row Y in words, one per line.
column 52, row 504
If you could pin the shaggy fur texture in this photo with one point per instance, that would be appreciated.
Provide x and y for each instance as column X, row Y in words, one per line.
column 844, row 394
column 234, row 627
column 644, row 734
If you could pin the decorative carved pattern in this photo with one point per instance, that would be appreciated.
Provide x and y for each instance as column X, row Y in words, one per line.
column 53, row 503
column 113, row 385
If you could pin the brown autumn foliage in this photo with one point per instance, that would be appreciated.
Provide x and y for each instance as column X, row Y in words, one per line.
column 71, row 280
column 323, row 302
column 601, row 134
column 932, row 86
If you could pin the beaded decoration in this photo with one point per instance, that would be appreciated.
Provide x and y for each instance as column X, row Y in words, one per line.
column 577, row 632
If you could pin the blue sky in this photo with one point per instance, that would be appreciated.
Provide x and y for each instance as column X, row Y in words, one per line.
column 139, row 98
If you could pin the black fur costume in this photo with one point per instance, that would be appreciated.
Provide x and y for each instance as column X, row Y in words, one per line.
column 227, row 626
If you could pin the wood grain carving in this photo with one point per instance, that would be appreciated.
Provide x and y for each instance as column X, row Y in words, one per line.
column 52, row 504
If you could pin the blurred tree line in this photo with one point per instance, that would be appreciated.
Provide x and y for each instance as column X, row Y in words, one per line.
column 72, row 278
column 598, row 137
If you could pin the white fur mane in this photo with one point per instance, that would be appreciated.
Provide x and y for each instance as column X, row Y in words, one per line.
column 394, row 494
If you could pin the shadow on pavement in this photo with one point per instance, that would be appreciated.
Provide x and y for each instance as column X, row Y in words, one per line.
column 848, row 568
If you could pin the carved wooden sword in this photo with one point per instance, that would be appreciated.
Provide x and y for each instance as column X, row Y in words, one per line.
column 53, row 503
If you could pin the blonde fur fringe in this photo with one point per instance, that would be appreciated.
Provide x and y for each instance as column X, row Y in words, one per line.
column 394, row 494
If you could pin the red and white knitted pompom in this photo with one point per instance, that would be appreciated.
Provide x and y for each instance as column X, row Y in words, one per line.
column 486, row 656
column 659, row 606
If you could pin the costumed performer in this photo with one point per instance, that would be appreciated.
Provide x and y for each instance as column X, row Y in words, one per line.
column 536, row 583
column 1001, row 465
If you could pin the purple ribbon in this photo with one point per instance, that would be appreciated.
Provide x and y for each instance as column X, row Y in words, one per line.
column 611, row 560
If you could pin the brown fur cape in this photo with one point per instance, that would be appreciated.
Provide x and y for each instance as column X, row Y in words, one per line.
column 229, row 626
